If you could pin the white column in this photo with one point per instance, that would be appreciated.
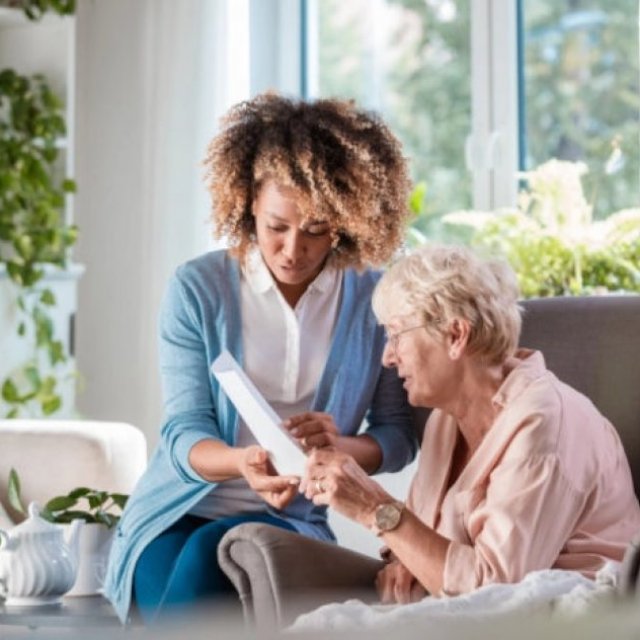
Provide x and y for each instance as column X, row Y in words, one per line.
column 492, row 146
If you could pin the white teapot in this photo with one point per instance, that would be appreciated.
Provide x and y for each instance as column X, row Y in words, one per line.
column 37, row 565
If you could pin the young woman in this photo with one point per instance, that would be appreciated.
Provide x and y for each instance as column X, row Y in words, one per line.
column 308, row 195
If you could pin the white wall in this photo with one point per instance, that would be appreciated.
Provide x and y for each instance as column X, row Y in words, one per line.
column 145, row 110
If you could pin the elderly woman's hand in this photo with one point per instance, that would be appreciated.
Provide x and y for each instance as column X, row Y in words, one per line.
column 336, row 479
column 258, row 471
column 396, row 584
column 313, row 430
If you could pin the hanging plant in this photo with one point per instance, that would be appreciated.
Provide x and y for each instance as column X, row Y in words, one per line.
column 35, row 9
column 33, row 230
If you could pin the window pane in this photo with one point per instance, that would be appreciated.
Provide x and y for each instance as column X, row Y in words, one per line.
column 408, row 60
column 582, row 93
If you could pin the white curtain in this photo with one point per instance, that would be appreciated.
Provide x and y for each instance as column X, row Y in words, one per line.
column 153, row 77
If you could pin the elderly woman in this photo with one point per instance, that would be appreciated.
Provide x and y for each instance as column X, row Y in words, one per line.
column 309, row 196
column 518, row 471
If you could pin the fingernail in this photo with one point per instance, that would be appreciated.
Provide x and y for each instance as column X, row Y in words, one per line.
column 294, row 481
column 295, row 431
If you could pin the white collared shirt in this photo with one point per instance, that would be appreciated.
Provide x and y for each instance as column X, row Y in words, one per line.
column 285, row 352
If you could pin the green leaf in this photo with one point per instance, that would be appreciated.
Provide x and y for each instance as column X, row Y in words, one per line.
column 10, row 391
column 33, row 376
column 60, row 503
column 51, row 405
column 417, row 197
column 24, row 246
column 97, row 498
column 68, row 516
column 56, row 353
column 13, row 492
column 22, row 329
column 47, row 297
column 120, row 499
column 80, row 492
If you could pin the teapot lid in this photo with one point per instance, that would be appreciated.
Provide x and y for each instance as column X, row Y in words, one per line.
column 35, row 523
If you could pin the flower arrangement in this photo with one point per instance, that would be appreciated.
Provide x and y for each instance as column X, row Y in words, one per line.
column 552, row 241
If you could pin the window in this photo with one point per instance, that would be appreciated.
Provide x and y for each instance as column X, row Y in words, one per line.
column 410, row 61
column 477, row 90
column 581, row 93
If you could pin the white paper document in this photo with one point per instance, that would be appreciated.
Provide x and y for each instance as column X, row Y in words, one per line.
column 285, row 453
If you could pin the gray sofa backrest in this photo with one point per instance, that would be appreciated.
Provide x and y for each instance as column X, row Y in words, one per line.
column 592, row 344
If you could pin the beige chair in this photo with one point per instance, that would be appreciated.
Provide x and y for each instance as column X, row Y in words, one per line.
column 54, row 456
column 591, row 343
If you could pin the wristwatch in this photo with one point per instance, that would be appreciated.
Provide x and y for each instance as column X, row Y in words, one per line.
column 387, row 517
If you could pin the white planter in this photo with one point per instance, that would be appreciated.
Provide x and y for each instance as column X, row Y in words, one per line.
column 93, row 551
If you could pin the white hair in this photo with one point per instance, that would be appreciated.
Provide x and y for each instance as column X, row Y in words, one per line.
column 440, row 283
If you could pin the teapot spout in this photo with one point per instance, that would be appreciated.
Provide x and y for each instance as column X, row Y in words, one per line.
column 73, row 539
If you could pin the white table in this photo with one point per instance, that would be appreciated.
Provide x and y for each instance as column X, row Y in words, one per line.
column 73, row 612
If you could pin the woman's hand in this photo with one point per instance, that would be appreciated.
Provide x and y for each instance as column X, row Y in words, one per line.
column 258, row 471
column 335, row 478
column 396, row 584
column 313, row 430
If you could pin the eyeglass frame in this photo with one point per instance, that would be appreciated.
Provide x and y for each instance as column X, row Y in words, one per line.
column 393, row 339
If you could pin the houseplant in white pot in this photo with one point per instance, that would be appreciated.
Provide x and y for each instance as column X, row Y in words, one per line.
column 100, row 511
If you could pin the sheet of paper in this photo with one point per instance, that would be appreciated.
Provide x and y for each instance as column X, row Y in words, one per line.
column 286, row 455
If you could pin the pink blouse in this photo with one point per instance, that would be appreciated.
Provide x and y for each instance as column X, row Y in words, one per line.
column 549, row 486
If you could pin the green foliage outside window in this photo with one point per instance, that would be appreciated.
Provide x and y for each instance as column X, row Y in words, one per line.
column 582, row 93
column 552, row 240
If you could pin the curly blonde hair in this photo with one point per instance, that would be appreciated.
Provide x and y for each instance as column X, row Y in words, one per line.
column 440, row 283
column 344, row 162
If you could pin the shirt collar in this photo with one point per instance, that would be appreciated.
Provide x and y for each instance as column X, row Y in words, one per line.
column 522, row 369
column 260, row 279
column 256, row 272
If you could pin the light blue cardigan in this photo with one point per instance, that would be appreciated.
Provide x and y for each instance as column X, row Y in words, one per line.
column 201, row 317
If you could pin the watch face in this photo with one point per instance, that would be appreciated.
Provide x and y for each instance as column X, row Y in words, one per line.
column 388, row 516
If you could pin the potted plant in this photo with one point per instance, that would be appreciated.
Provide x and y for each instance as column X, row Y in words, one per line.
column 100, row 511
column 552, row 241
column 34, row 236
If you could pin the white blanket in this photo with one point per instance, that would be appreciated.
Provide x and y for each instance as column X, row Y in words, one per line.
column 566, row 592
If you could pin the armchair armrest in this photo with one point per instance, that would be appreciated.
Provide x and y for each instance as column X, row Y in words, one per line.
column 279, row 574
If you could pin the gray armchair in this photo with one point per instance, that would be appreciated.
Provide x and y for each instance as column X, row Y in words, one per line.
column 591, row 343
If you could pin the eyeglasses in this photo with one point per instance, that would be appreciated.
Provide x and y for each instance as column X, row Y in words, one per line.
column 394, row 338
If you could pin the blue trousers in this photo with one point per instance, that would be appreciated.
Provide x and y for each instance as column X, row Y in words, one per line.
column 180, row 567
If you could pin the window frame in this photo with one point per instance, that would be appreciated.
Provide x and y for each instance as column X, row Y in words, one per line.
column 492, row 148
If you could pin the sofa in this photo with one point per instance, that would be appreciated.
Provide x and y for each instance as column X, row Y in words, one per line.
column 592, row 343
